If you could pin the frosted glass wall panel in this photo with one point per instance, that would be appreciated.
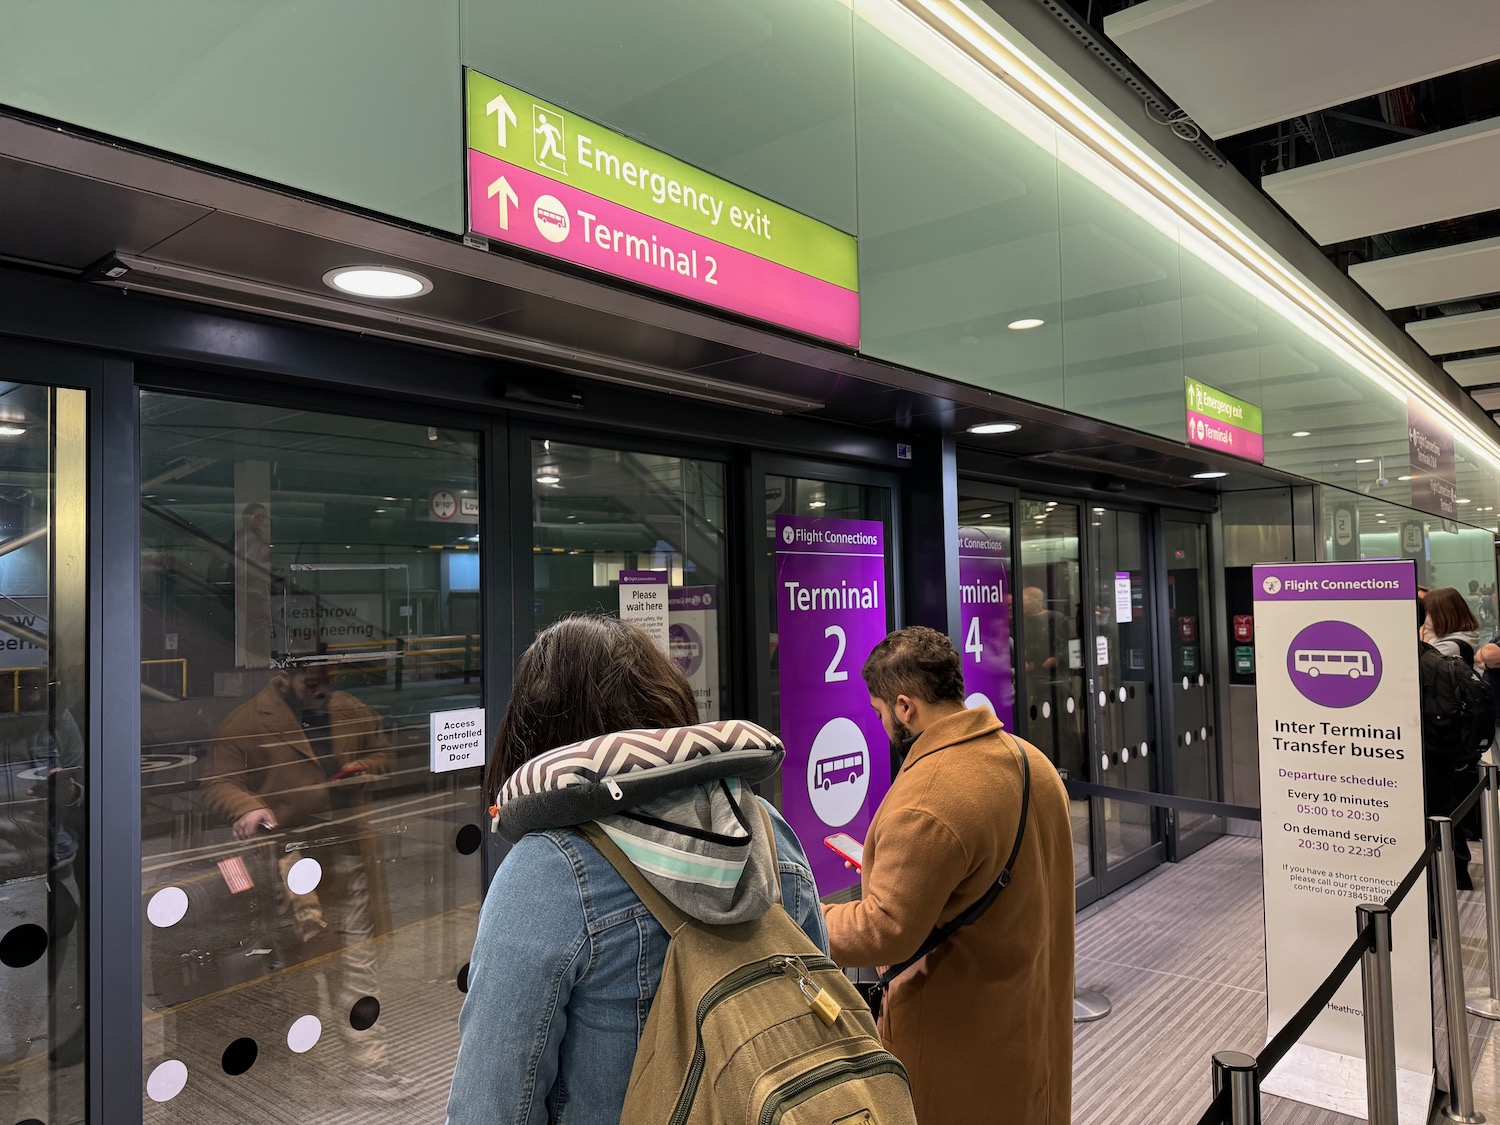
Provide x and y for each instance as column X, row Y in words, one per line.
column 1122, row 302
column 759, row 92
column 957, row 216
column 357, row 100
column 1220, row 323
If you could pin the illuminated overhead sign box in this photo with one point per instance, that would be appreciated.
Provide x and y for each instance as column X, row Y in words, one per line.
column 1224, row 423
column 558, row 184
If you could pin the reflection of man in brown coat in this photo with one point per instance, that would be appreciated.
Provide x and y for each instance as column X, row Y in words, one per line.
column 984, row 1024
column 298, row 759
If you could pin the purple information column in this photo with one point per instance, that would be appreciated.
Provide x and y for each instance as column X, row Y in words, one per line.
column 984, row 615
column 830, row 612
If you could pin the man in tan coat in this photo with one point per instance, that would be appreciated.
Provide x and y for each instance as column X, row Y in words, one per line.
column 297, row 760
column 984, row 1023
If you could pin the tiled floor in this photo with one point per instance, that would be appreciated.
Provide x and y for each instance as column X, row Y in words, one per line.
column 1181, row 955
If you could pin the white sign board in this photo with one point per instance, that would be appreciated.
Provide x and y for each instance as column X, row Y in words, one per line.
column 1123, row 612
column 694, row 643
column 643, row 603
column 1341, row 815
column 456, row 739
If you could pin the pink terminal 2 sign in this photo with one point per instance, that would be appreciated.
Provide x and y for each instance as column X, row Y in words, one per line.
column 557, row 184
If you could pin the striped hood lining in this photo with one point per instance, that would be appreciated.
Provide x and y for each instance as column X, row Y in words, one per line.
column 630, row 771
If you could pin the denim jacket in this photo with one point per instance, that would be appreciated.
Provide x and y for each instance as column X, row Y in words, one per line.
column 566, row 963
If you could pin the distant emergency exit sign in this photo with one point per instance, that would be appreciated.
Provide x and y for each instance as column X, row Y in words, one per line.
column 559, row 184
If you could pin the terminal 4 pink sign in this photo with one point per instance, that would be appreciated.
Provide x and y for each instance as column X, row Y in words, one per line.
column 1222, row 422
column 557, row 184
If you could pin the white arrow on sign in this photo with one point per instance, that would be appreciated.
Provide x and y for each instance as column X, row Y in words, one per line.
column 500, row 106
column 502, row 188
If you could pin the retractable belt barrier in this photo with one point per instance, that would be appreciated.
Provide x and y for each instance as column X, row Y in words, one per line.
column 1078, row 788
column 1236, row 1084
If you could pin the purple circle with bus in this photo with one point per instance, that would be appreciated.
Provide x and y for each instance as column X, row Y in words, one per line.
column 686, row 648
column 1334, row 664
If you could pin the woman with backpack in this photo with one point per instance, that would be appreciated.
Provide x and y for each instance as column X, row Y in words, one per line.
column 1451, row 625
column 602, row 727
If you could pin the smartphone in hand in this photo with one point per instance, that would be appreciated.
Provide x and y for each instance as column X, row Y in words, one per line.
column 353, row 769
column 847, row 846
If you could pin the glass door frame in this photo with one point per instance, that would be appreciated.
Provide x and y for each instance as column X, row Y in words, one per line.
column 753, row 527
column 1180, row 843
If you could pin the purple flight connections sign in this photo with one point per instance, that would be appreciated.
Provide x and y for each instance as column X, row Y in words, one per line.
column 984, row 615
column 830, row 612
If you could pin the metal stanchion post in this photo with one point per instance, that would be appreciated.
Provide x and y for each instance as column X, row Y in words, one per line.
column 1089, row 1006
column 1481, row 1004
column 1460, row 1105
column 1237, row 1071
column 1380, row 1018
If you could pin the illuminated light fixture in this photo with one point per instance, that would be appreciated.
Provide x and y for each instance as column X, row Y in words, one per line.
column 548, row 478
column 1380, row 521
column 995, row 428
column 1095, row 146
column 817, row 504
column 985, row 516
column 380, row 511
column 8, row 429
column 383, row 282
column 1462, row 501
column 1364, row 460
column 1214, row 475
column 1404, row 478
column 1302, row 433
column 1024, row 323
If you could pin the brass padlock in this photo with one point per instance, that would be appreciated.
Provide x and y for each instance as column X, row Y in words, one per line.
column 825, row 1005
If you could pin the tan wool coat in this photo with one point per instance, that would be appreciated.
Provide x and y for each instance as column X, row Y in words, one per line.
column 261, row 758
column 983, row 1024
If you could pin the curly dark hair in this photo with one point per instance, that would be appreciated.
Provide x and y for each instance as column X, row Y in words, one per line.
column 916, row 662
column 583, row 677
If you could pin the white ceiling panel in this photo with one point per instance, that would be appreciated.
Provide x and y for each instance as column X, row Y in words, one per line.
column 1470, row 332
column 1469, row 269
column 1478, row 372
column 1423, row 180
column 1490, row 400
column 1239, row 64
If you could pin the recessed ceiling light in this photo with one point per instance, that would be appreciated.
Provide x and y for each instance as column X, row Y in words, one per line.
column 1302, row 433
column 1380, row 521
column 384, row 282
column 380, row 511
column 985, row 516
column 1209, row 476
column 817, row 504
column 9, row 430
column 1403, row 478
column 1364, row 460
column 1461, row 501
column 995, row 428
column 1025, row 323
column 548, row 478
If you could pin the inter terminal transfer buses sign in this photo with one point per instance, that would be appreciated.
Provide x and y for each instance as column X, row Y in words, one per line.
column 558, row 184
column 1341, row 814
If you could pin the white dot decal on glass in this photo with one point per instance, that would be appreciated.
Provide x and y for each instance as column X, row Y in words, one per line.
column 1104, row 761
column 1046, row 710
column 1124, row 756
column 167, row 1081
column 1143, row 749
column 1200, row 679
column 167, row 907
column 304, row 876
column 1203, row 733
column 1187, row 739
column 1103, row 699
column 304, row 1034
column 1072, row 706
column 1122, row 695
column 1185, row 684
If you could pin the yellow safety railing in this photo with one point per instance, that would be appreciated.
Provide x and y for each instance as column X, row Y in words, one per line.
column 16, row 675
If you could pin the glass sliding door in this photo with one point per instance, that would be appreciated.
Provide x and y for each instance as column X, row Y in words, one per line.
column 1050, row 626
column 1122, row 697
column 310, row 706
column 1190, row 690
column 44, row 727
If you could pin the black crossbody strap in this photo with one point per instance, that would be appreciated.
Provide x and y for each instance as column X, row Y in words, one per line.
column 973, row 913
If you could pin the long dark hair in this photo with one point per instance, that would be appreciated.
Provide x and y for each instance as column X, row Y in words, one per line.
column 583, row 677
column 1447, row 612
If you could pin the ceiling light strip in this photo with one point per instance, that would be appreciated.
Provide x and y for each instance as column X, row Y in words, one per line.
column 977, row 39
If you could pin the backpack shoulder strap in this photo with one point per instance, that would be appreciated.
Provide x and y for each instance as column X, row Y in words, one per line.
column 669, row 916
column 1465, row 652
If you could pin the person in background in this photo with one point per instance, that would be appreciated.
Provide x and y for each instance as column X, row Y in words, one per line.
column 983, row 1023
column 568, row 958
column 1445, row 626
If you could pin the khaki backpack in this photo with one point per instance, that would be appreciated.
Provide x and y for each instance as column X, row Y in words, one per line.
column 751, row 1025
